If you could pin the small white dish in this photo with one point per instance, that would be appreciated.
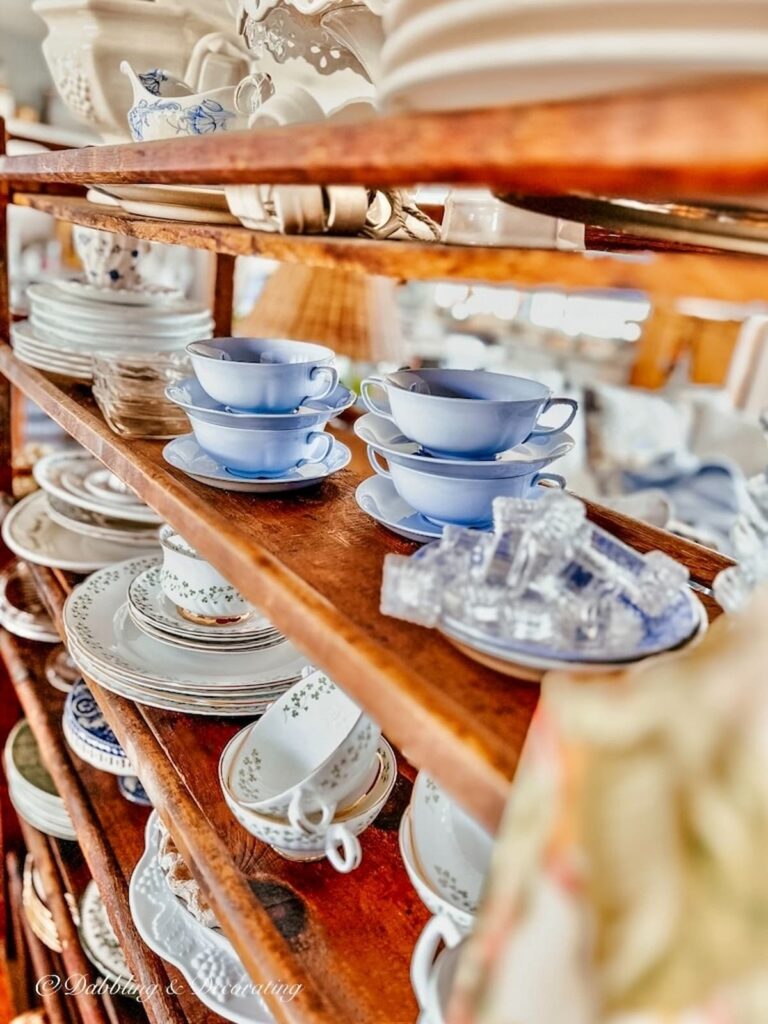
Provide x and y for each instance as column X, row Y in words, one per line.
column 65, row 475
column 100, row 527
column 435, row 903
column 100, row 942
column 186, row 455
column 31, row 534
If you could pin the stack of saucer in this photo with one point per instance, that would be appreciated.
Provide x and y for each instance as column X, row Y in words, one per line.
column 445, row 852
column 146, row 660
column 39, row 917
column 21, row 611
column 258, row 410
column 100, row 943
column 65, row 330
column 310, row 776
column 454, row 440
column 32, row 791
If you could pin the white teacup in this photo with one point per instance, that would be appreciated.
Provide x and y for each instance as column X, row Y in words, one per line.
column 304, row 756
column 198, row 590
column 266, row 108
column 109, row 260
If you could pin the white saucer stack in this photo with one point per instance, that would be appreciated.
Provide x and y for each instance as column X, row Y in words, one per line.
column 31, row 789
column 69, row 321
column 452, row 54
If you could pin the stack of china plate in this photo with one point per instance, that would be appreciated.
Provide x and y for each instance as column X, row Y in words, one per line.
column 21, row 611
column 31, row 532
column 459, row 54
column 258, row 410
column 39, row 917
column 310, row 776
column 200, row 953
column 100, row 943
column 110, row 648
column 453, row 441
column 31, row 788
column 66, row 328
column 445, row 852
column 152, row 611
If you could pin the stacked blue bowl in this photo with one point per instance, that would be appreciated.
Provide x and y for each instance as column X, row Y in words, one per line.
column 450, row 441
column 259, row 406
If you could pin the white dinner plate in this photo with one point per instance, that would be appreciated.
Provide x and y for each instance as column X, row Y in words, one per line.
column 567, row 67
column 31, row 534
column 170, row 211
column 96, row 618
column 147, row 295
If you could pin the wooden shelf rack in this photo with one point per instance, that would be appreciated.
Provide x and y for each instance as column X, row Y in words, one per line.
column 312, row 561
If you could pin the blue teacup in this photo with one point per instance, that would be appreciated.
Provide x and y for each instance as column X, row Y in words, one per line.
column 466, row 414
column 263, row 374
column 463, row 501
column 248, row 452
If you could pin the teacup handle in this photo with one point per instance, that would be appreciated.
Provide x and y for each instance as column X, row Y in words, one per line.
column 572, row 405
column 342, row 849
column 252, row 91
column 297, row 815
column 555, row 478
column 438, row 929
column 333, row 379
column 369, row 402
column 379, row 469
column 318, row 456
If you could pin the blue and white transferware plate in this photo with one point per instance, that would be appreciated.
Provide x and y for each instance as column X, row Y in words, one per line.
column 682, row 622
column 88, row 733
column 529, row 457
column 132, row 790
column 189, row 395
column 185, row 454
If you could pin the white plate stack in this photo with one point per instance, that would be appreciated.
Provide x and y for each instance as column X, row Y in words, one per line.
column 100, row 943
column 66, row 326
column 32, row 791
column 453, row 54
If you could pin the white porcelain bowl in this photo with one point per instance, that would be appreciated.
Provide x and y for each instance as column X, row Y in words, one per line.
column 308, row 753
column 194, row 586
column 86, row 41
column 431, row 899
column 338, row 841
column 453, row 850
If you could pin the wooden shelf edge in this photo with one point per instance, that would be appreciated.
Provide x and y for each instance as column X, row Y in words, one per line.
column 725, row 277
column 646, row 143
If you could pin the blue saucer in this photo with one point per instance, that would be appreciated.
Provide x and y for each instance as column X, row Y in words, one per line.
column 132, row 790
column 185, row 454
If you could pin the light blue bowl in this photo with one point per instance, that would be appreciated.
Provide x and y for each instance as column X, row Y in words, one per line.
column 462, row 501
column 469, row 414
column 263, row 375
column 255, row 453
column 189, row 395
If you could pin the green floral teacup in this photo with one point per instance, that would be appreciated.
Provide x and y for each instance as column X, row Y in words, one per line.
column 198, row 590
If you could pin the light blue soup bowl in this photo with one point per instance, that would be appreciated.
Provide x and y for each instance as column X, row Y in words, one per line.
column 469, row 414
column 263, row 374
column 462, row 501
column 248, row 452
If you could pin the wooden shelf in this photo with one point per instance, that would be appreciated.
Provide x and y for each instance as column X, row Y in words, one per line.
column 730, row 278
column 110, row 831
column 641, row 144
column 299, row 924
column 312, row 562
